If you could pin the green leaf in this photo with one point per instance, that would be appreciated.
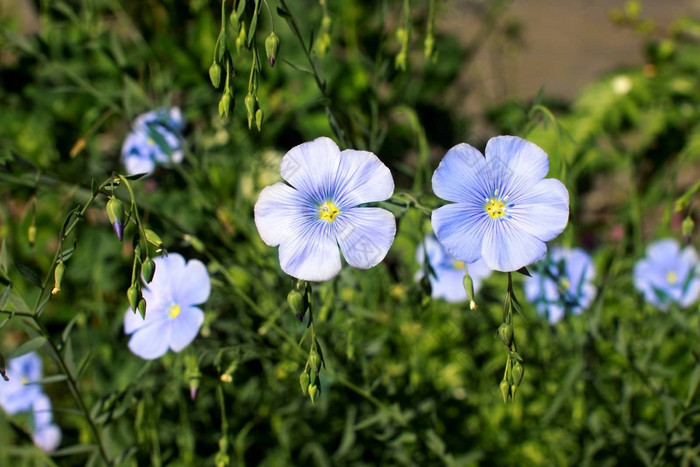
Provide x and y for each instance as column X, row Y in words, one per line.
column 30, row 274
column 73, row 450
column 134, row 176
column 253, row 24
column 4, row 260
column 30, row 346
column 51, row 379
column 5, row 296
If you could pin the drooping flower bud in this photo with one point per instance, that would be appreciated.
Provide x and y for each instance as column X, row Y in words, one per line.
column 518, row 372
column 116, row 215
column 250, row 108
column 148, row 269
column 259, row 119
column 687, row 228
column 304, row 382
column 153, row 238
column 134, row 295
column 296, row 303
column 469, row 288
column 272, row 47
column 505, row 332
column 215, row 74
column 31, row 234
column 142, row 308
column 505, row 390
column 57, row 277
column 313, row 389
column 314, row 361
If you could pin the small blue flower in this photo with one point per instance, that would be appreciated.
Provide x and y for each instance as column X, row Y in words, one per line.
column 45, row 434
column 504, row 209
column 562, row 282
column 154, row 139
column 321, row 210
column 172, row 319
column 668, row 275
column 449, row 271
column 19, row 393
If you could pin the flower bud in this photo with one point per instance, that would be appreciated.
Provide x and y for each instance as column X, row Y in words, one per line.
column 142, row 308
column 313, row 389
column 315, row 361
column 250, row 108
column 134, row 295
column 194, row 242
column 215, row 74
column 225, row 104
column 153, row 238
column 259, row 119
column 242, row 37
column 148, row 269
column 518, row 372
column 505, row 332
column 116, row 215
column 304, row 382
column 513, row 388
column 296, row 302
column 31, row 234
column 469, row 288
column 272, row 47
column 505, row 390
column 57, row 277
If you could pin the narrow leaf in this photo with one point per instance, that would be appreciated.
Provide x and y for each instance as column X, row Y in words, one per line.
column 29, row 346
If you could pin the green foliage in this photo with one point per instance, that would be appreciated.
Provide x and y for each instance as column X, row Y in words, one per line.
column 400, row 378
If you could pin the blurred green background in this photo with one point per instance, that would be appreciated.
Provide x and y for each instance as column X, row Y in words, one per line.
column 408, row 380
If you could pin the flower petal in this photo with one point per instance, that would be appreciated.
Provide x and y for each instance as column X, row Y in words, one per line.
column 460, row 228
column 185, row 327
column 43, row 413
column 365, row 235
column 48, row 437
column 460, row 175
column 361, row 178
column 194, row 286
column 663, row 250
column 310, row 253
column 543, row 211
column 278, row 212
column 515, row 164
column 311, row 167
column 506, row 247
column 150, row 341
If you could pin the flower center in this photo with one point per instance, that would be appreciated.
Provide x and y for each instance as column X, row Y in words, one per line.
column 151, row 141
column 328, row 211
column 496, row 207
column 564, row 282
column 174, row 310
column 24, row 380
column 457, row 264
column 671, row 277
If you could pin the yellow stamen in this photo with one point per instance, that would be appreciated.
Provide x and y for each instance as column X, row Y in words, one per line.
column 457, row 264
column 495, row 207
column 151, row 141
column 671, row 277
column 328, row 211
column 174, row 310
column 24, row 380
column 564, row 282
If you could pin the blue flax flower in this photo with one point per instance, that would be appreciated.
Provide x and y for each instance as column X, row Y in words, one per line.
column 504, row 209
column 172, row 317
column 155, row 139
column 449, row 271
column 668, row 275
column 22, row 394
column 320, row 210
column 562, row 282
column 19, row 393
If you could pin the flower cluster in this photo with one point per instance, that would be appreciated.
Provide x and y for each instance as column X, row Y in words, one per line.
column 172, row 319
column 319, row 210
column 561, row 283
column 22, row 393
column 447, row 283
column 668, row 275
column 154, row 140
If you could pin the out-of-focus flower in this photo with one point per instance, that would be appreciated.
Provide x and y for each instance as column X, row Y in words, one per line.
column 19, row 393
column 155, row 139
column 22, row 394
column 668, row 274
column 46, row 434
column 321, row 210
column 561, row 282
column 449, row 271
column 504, row 209
column 172, row 317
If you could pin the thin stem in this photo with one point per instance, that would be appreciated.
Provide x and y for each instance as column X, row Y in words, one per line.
column 272, row 18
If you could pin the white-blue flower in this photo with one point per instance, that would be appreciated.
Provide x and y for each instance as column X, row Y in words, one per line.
column 155, row 139
column 172, row 317
column 320, row 210
column 504, row 209
column 449, row 271
column 668, row 274
column 561, row 282
column 19, row 393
